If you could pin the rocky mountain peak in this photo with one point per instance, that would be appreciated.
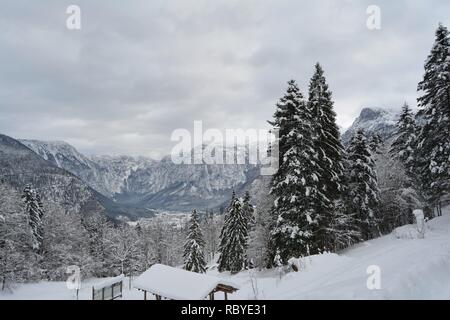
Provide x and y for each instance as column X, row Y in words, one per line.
column 379, row 120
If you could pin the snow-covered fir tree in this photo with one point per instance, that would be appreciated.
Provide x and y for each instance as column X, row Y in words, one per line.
column 299, row 198
column 248, row 212
column 35, row 211
column 363, row 189
column 194, row 259
column 330, row 151
column 327, row 136
column 233, row 238
column 434, row 136
column 404, row 144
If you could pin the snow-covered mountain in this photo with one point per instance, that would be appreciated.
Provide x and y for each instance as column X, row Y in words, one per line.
column 146, row 183
column 105, row 174
column 112, row 172
column 373, row 120
column 19, row 166
column 185, row 186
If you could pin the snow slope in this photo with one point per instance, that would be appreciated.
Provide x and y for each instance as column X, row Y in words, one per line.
column 410, row 269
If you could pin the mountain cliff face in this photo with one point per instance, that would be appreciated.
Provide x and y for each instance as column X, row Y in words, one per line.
column 183, row 187
column 112, row 172
column 19, row 166
column 373, row 120
column 139, row 182
column 104, row 174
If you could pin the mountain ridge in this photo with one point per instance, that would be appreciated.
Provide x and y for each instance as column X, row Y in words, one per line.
column 142, row 185
column 20, row 166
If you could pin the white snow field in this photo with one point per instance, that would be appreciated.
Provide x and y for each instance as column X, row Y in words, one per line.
column 410, row 268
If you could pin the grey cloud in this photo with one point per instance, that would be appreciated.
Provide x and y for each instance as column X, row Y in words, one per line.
column 138, row 70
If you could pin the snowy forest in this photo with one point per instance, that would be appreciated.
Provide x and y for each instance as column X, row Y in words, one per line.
column 325, row 197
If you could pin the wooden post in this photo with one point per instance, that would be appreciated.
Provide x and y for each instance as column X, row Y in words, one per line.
column 226, row 295
column 93, row 293
column 145, row 295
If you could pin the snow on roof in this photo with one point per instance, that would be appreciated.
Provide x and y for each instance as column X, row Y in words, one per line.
column 108, row 282
column 178, row 284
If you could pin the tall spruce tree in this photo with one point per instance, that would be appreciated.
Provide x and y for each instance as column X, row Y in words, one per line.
column 404, row 144
column 194, row 259
column 434, row 137
column 248, row 213
column 35, row 212
column 327, row 142
column 295, row 185
column 233, row 238
column 327, row 136
column 363, row 189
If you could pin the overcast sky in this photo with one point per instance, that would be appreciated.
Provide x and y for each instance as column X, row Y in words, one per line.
column 137, row 70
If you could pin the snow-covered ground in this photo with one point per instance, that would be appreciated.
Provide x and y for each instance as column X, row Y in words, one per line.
column 409, row 269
